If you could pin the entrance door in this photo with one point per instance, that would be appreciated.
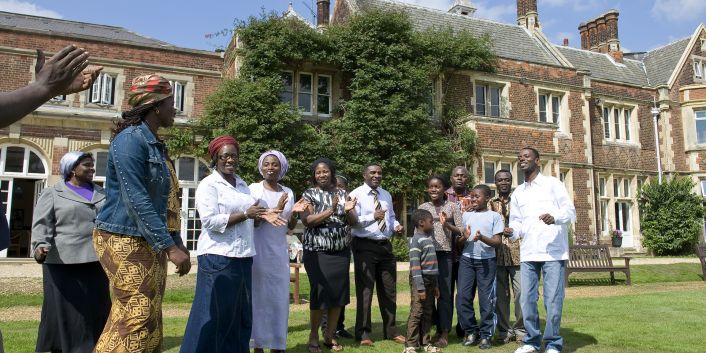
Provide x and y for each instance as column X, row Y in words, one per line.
column 5, row 200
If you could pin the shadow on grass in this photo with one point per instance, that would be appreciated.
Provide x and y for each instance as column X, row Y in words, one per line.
column 594, row 282
column 171, row 342
column 574, row 340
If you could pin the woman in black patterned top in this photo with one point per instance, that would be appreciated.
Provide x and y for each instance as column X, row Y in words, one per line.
column 326, row 250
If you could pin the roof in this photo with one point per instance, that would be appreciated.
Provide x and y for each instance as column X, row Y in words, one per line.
column 112, row 34
column 508, row 41
column 660, row 63
column 602, row 66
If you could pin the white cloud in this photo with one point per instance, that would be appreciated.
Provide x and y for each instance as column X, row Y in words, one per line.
column 27, row 8
column 678, row 10
column 502, row 13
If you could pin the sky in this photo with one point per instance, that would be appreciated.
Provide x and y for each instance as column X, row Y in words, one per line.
column 643, row 24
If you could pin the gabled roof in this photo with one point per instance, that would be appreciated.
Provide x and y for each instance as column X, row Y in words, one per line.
column 660, row 63
column 90, row 31
column 603, row 67
column 508, row 41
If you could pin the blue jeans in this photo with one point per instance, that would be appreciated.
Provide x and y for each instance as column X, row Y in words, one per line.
column 221, row 313
column 553, row 276
column 472, row 274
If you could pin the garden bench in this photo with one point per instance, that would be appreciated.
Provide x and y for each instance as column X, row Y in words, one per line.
column 701, row 253
column 294, row 278
column 594, row 258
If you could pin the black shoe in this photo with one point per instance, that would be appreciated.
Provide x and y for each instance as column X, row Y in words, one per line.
column 471, row 340
column 485, row 344
column 343, row 333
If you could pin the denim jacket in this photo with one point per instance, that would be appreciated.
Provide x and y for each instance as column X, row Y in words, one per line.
column 137, row 187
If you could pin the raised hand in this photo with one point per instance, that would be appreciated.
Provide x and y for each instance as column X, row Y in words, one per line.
column 301, row 205
column 477, row 236
column 282, row 201
column 379, row 215
column 62, row 74
column 334, row 203
column 507, row 232
column 274, row 219
column 255, row 211
column 350, row 204
column 399, row 229
column 443, row 218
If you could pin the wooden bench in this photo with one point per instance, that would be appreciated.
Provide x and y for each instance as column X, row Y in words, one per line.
column 595, row 258
column 294, row 278
column 701, row 253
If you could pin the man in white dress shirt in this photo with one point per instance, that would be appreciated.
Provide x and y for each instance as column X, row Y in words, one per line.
column 540, row 214
column 373, row 258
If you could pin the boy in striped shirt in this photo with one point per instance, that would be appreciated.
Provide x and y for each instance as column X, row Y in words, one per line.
column 423, row 272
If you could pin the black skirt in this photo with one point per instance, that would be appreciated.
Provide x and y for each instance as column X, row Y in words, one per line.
column 329, row 278
column 75, row 308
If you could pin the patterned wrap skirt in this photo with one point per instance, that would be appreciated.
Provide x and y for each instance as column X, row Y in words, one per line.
column 137, row 278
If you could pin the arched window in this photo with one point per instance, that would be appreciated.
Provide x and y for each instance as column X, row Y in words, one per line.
column 191, row 170
column 18, row 160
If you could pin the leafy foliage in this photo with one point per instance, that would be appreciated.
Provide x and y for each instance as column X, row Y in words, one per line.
column 671, row 216
column 387, row 69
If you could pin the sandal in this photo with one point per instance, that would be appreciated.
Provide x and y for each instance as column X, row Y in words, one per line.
column 432, row 349
column 314, row 348
column 334, row 346
column 442, row 343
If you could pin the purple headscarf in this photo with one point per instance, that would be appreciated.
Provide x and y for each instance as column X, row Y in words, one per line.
column 284, row 166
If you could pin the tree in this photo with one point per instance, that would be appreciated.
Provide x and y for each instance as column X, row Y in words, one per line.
column 671, row 216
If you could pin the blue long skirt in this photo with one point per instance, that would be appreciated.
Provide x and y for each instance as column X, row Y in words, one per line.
column 221, row 314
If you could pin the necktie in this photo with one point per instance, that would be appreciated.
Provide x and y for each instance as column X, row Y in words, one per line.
column 381, row 223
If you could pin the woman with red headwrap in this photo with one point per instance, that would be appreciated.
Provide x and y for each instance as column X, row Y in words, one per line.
column 131, row 237
column 221, row 314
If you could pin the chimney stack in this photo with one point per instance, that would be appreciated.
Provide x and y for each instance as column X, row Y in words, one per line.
column 566, row 42
column 322, row 13
column 601, row 35
column 527, row 15
column 462, row 7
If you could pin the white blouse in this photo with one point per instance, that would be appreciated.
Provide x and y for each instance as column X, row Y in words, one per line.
column 216, row 200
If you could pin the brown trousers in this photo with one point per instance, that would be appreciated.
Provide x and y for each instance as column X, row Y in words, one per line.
column 421, row 313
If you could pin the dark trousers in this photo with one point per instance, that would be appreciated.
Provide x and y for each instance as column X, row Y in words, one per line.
column 221, row 313
column 444, row 309
column 480, row 273
column 374, row 264
column 508, row 278
column 420, row 312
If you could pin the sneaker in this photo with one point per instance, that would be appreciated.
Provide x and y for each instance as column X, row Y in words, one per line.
column 432, row 349
column 551, row 350
column 409, row 350
column 485, row 344
column 526, row 349
column 471, row 340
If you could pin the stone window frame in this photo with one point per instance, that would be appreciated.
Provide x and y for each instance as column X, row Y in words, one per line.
column 609, row 198
column 622, row 134
column 699, row 68
column 99, row 178
column 499, row 163
column 503, row 101
column 187, row 99
column 293, row 90
column 118, row 76
column 697, row 118
column 562, row 122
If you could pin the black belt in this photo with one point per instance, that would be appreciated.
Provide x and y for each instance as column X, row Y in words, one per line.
column 376, row 241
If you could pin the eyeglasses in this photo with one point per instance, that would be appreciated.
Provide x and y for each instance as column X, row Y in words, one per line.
column 227, row 156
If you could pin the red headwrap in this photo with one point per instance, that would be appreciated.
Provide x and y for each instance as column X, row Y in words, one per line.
column 219, row 142
column 148, row 89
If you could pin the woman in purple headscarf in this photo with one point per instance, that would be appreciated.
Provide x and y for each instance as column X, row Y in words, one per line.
column 270, row 270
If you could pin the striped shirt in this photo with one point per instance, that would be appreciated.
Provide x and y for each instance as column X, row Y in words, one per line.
column 422, row 259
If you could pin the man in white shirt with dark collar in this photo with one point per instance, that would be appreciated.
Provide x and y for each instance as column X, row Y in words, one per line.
column 540, row 214
column 373, row 257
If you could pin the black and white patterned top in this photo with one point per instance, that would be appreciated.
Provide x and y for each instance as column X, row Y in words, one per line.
column 332, row 234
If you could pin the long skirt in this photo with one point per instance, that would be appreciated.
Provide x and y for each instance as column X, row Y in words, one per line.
column 75, row 307
column 329, row 279
column 221, row 314
column 137, row 278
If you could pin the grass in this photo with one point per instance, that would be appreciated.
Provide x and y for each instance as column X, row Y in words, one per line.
column 663, row 311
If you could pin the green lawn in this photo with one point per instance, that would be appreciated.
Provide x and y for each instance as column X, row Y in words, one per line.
column 663, row 311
